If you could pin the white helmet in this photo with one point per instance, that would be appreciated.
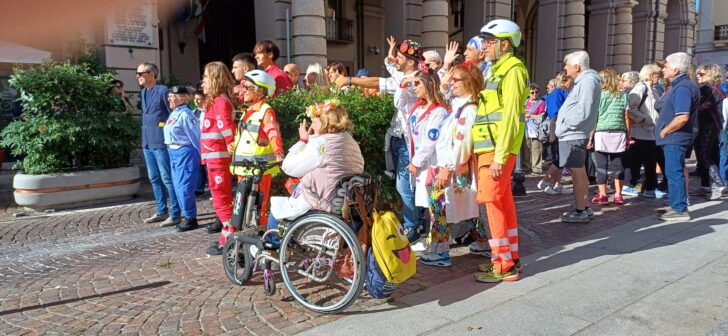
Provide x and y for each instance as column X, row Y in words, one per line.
column 502, row 29
column 262, row 79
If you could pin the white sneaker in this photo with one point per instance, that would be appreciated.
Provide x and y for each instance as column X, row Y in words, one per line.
column 479, row 248
column 420, row 246
column 550, row 190
column 716, row 193
column 541, row 185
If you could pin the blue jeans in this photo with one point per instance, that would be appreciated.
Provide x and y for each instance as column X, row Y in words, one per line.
column 400, row 152
column 723, row 164
column 160, row 176
column 185, row 167
column 674, row 171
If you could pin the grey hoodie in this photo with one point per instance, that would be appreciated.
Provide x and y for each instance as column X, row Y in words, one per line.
column 578, row 115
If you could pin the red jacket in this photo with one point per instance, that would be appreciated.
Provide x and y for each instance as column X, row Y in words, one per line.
column 218, row 131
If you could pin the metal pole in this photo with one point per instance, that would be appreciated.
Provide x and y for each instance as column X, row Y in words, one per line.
column 288, row 38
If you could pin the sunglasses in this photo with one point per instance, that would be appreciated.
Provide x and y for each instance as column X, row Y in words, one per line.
column 701, row 74
column 416, row 83
column 456, row 79
column 533, row 92
column 142, row 73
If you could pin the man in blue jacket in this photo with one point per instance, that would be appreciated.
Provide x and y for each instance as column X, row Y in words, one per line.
column 674, row 131
column 155, row 112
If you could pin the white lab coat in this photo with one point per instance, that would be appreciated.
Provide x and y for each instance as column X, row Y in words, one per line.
column 424, row 131
column 455, row 148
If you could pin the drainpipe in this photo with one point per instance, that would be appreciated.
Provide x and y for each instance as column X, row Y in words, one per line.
column 288, row 37
column 360, row 34
column 654, row 30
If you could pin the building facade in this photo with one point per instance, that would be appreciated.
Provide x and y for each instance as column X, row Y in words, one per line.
column 712, row 44
column 624, row 34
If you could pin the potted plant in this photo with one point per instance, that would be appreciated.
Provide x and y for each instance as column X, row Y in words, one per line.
column 75, row 147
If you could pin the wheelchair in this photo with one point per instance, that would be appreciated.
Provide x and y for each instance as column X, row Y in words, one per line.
column 319, row 257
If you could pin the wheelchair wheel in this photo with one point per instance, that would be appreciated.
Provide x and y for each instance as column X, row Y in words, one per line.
column 236, row 260
column 269, row 283
column 322, row 263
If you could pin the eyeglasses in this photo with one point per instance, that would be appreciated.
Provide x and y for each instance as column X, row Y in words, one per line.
column 701, row 74
column 534, row 92
column 490, row 42
column 456, row 79
column 139, row 74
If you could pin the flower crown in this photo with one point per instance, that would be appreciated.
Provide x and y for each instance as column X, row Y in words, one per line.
column 317, row 109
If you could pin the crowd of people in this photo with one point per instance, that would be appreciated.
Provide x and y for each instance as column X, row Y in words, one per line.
column 460, row 122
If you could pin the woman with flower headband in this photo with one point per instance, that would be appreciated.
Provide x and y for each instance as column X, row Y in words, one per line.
column 324, row 154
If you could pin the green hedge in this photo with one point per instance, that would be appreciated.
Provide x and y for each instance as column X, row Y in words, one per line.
column 370, row 115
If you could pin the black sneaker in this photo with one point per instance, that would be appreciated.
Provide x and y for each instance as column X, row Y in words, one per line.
column 413, row 235
column 215, row 227
column 214, row 250
column 465, row 240
column 187, row 225
column 214, row 243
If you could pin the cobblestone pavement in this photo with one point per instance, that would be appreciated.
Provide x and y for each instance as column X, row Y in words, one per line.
column 103, row 271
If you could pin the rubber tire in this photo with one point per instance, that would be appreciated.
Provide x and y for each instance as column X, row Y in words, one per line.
column 269, row 287
column 247, row 271
column 357, row 254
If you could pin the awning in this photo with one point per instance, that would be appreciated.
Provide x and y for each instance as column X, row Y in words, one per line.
column 17, row 53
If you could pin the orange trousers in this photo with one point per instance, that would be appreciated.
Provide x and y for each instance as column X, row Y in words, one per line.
column 496, row 195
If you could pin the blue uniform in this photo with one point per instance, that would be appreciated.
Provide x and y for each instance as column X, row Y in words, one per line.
column 182, row 137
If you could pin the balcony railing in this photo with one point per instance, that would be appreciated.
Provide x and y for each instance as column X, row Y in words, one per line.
column 339, row 30
column 721, row 33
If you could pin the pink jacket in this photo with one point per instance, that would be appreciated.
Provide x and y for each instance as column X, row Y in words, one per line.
column 342, row 158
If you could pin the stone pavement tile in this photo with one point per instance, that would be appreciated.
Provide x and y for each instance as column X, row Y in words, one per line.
column 398, row 322
column 464, row 296
column 560, row 263
column 689, row 306
column 513, row 318
column 577, row 295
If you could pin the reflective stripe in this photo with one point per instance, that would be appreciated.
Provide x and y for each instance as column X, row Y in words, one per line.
column 503, row 256
column 227, row 132
column 495, row 116
column 252, row 128
column 483, row 144
column 498, row 242
column 211, row 136
column 267, row 157
column 512, row 233
column 492, row 85
column 215, row 155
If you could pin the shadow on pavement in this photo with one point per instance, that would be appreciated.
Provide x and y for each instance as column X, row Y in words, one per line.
column 63, row 302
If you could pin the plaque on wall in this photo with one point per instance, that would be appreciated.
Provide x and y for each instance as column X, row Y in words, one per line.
column 132, row 24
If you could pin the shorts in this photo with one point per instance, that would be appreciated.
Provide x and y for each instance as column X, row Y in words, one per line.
column 573, row 153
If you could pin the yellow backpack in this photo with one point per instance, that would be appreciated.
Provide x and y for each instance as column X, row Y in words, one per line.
column 391, row 248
